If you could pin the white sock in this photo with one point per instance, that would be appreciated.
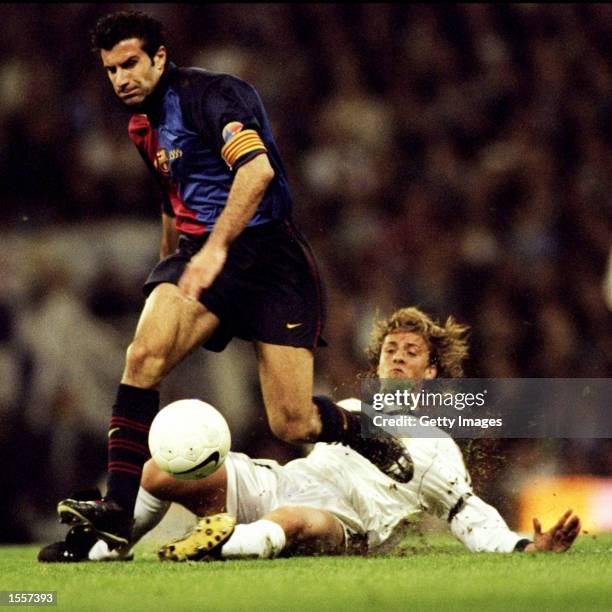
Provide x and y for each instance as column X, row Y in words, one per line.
column 149, row 511
column 100, row 552
column 262, row 539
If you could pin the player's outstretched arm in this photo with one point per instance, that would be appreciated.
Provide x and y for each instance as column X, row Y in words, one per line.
column 558, row 538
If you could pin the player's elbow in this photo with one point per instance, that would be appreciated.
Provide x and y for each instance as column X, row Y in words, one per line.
column 259, row 171
column 265, row 171
column 268, row 171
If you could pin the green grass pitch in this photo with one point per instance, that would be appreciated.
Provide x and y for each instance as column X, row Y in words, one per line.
column 426, row 573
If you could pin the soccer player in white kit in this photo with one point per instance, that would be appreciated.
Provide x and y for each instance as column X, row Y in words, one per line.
column 334, row 500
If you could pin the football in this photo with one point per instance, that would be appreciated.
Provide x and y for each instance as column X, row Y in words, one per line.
column 189, row 439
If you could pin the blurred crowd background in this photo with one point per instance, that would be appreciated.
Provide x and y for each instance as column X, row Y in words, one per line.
column 458, row 158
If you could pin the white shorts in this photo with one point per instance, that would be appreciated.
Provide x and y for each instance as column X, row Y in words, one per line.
column 332, row 478
column 258, row 486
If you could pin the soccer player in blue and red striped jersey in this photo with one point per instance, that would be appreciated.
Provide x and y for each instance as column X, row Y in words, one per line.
column 232, row 263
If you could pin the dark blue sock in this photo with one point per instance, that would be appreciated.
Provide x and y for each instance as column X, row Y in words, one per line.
column 337, row 424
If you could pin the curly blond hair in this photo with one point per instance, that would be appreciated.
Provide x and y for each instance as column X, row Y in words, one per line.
column 447, row 343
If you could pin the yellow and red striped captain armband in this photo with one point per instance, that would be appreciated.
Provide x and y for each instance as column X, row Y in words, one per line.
column 239, row 142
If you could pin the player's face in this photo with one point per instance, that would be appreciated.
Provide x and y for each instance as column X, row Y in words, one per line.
column 131, row 71
column 405, row 354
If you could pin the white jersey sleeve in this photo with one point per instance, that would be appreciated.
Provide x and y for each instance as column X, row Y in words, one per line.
column 482, row 529
column 448, row 493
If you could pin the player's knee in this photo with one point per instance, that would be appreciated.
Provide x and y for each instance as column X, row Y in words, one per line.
column 292, row 430
column 294, row 525
column 297, row 529
column 152, row 479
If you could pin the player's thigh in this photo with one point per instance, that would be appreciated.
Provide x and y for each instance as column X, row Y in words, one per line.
column 202, row 497
column 286, row 376
column 309, row 530
column 171, row 325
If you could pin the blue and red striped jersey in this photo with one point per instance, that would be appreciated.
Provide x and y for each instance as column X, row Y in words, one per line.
column 195, row 130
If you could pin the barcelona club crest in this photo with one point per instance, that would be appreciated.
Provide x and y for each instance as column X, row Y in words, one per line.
column 162, row 161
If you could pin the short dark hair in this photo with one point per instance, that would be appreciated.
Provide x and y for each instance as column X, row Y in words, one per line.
column 114, row 28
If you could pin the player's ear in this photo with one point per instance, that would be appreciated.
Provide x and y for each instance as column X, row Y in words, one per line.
column 431, row 372
column 160, row 57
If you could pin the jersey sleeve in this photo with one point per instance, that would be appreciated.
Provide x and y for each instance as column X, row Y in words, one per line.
column 482, row 529
column 445, row 481
column 228, row 115
column 447, row 490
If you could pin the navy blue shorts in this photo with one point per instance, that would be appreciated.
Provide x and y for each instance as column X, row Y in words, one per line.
column 268, row 290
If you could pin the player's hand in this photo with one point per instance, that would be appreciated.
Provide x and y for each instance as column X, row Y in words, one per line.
column 559, row 537
column 202, row 270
